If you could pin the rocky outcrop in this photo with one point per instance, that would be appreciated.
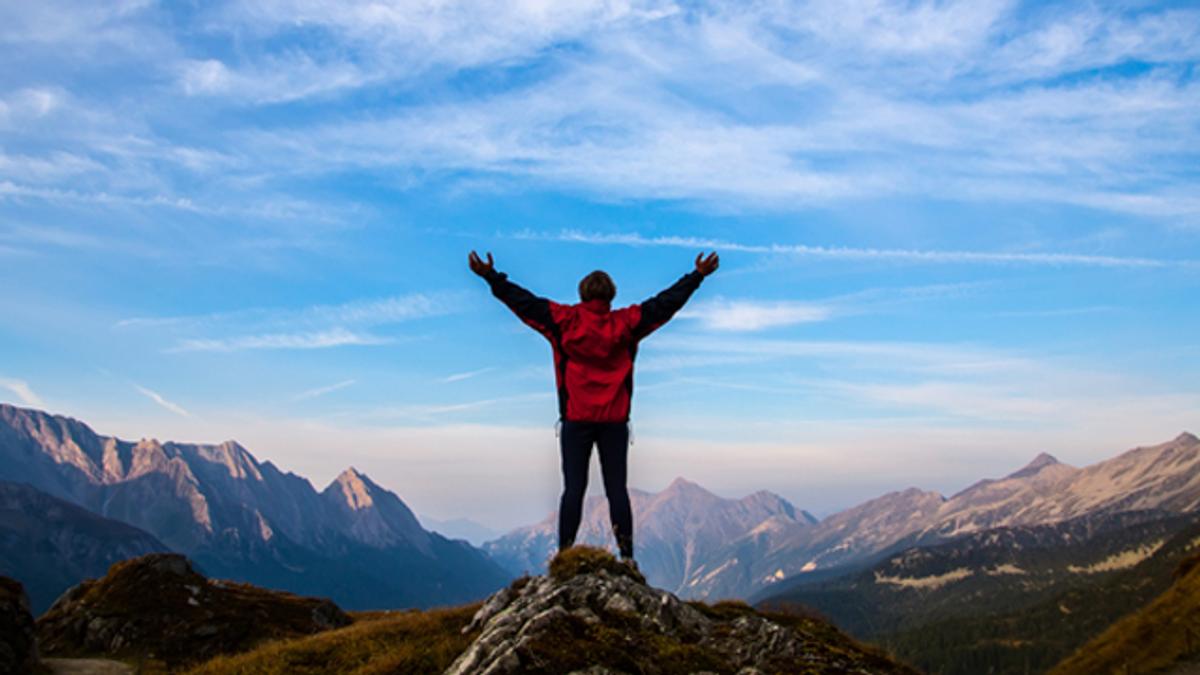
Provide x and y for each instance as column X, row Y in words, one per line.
column 592, row 614
column 18, row 643
column 158, row 606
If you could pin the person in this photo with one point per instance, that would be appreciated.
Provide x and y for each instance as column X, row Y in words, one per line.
column 594, row 350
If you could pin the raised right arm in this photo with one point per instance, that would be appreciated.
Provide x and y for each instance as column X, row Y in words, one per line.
column 659, row 309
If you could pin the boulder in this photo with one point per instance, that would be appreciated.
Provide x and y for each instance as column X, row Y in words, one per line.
column 158, row 606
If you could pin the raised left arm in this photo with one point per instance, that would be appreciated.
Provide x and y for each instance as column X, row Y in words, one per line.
column 529, row 308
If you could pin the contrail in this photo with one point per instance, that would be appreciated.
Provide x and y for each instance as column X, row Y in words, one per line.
column 851, row 253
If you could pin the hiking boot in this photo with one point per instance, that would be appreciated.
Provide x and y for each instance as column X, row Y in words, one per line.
column 630, row 563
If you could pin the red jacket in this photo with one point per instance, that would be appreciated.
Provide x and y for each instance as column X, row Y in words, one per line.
column 594, row 346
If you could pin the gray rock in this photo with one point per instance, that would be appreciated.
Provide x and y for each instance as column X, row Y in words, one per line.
column 548, row 625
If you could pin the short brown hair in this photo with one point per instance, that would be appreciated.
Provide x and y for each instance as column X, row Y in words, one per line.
column 597, row 286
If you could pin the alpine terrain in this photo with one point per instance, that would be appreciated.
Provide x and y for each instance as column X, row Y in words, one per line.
column 681, row 533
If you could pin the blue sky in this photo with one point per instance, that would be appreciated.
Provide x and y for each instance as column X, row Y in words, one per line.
column 953, row 234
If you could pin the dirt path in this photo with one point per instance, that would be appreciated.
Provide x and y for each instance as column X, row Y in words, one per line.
column 87, row 667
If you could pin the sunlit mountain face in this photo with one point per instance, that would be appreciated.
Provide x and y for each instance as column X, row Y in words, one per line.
column 236, row 517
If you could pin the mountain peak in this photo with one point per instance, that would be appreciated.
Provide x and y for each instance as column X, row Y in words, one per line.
column 1040, row 462
column 351, row 475
column 355, row 487
column 681, row 483
column 682, row 486
column 1187, row 438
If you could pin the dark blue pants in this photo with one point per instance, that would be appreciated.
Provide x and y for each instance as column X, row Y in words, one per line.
column 612, row 441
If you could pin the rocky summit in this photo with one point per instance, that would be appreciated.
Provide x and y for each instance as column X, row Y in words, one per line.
column 158, row 606
column 592, row 614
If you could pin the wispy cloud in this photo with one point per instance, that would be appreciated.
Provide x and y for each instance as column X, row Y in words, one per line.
column 749, row 315
column 321, row 391
column 158, row 398
column 22, row 391
column 459, row 377
column 1058, row 311
column 429, row 412
column 720, row 103
column 689, row 104
column 313, row 327
column 892, row 356
column 856, row 254
column 336, row 337
column 362, row 312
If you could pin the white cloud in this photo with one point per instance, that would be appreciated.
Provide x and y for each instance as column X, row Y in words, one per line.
column 435, row 412
column 313, row 327
column 459, row 377
column 205, row 77
column 775, row 105
column 749, row 315
column 363, row 312
column 908, row 359
column 685, row 107
column 855, row 254
column 23, row 392
column 334, row 337
column 157, row 398
column 405, row 37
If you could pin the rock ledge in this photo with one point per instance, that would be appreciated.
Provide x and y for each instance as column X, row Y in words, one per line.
column 593, row 616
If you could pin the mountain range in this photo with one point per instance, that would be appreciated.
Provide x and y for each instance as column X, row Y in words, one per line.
column 776, row 542
column 1023, row 626
column 51, row 544
column 994, row 564
column 236, row 517
column 679, row 531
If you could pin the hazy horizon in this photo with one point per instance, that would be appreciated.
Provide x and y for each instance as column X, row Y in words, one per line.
column 953, row 235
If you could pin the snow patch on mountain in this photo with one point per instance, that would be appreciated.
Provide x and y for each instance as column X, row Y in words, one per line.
column 926, row 583
column 1119, row 561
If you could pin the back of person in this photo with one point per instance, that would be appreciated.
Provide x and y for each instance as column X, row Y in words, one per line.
column 597, row 353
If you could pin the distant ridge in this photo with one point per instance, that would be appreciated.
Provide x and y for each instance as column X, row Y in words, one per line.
column 236, row 517
column 676, row 531
column 746, row 559
column 51, row 544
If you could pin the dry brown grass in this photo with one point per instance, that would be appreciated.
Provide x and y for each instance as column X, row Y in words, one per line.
column 589, row 559
column 165, row 608
column 1153, row 638
column 377, row 643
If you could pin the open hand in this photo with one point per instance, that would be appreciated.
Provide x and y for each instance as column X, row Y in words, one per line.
column 707, row 266
column 478, row 266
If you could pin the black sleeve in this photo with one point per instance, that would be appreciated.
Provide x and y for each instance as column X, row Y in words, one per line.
column 528, row 307
column 658, row 310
